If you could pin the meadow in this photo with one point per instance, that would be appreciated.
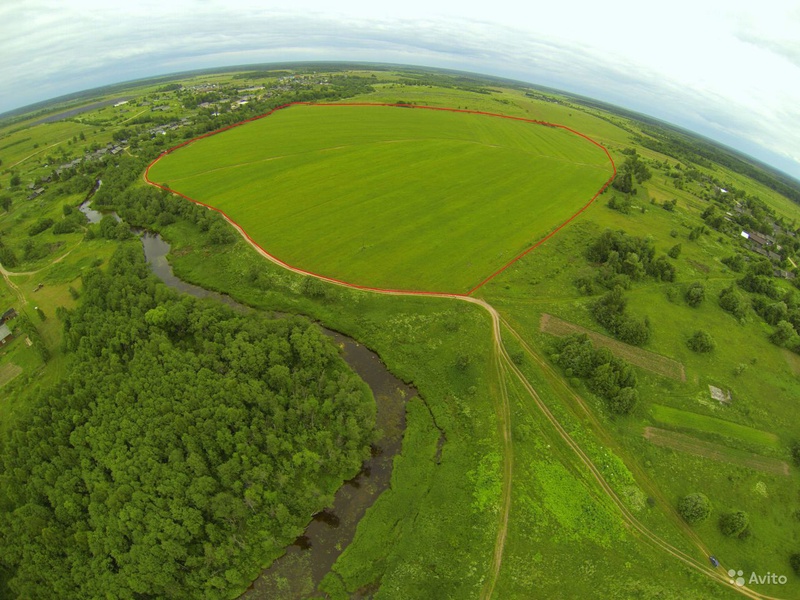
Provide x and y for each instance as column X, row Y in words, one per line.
column 391, row 197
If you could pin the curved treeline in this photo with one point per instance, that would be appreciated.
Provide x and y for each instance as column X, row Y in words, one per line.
column 187, row 445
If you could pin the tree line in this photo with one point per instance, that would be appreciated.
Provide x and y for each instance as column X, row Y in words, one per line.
column 184, row 448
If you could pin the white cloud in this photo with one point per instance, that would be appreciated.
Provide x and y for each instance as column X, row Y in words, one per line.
column 729, row 69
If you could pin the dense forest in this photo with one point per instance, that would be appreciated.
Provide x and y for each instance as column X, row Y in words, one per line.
column 187, row 445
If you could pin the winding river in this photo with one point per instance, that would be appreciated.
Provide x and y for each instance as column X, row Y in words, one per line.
column 299, row 571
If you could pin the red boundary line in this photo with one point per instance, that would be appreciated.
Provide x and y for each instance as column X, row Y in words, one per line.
column 415, row 106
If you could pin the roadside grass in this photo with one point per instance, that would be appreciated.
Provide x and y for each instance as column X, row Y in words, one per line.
column 15, row 224
column 770, row 499
column 691, row 420
column 565, row 525
column 391, row 197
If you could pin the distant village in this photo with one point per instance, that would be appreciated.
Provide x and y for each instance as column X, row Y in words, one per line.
column 229, row 99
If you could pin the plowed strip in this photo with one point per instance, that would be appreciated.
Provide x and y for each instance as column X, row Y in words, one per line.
column 691, row 445
column 8, row 371
column 655, row 363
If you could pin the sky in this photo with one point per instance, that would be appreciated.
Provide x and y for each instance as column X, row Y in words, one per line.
column 729, row 70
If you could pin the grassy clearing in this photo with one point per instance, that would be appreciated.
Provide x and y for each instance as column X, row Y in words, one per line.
column 681, row 418
column 391, row 197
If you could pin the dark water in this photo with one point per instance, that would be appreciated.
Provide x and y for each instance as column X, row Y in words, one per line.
column 298, row 572
column 92, row 215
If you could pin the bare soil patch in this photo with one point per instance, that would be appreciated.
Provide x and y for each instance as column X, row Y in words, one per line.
column 8, row 371
column 655, row 363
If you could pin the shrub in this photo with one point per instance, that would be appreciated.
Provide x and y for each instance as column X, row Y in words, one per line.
column 622, row 205
column 40, row 226
column 735, row 262
column 695, row 294
column 701, row 341
column 784, row 334
column 735, row 524
column 694, row 508
column 733, row 301
column 796, row 453
column 794, row 561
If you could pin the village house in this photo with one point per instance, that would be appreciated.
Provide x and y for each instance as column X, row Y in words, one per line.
column 5, row 334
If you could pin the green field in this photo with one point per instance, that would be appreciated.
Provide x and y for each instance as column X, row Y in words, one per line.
column 683, row 418
column 391, row 197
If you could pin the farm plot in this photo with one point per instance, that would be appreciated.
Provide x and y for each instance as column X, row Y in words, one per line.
column 682, row 418
column 691, row 445
column 391, row 197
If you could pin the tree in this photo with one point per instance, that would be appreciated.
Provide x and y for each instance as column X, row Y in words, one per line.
column 15, row 180
column 5, row 202
column 675, row 251
column 783, row 333
column 695, row 294
column 220, row 234
column 701, row 341
column 694, row 508
column 625, row 401
column 732, row 301
column 735, row 524
column 796, row 453
column 623, row 182
column 794, row 562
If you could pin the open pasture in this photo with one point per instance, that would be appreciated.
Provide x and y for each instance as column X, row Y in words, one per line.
column 391, row 197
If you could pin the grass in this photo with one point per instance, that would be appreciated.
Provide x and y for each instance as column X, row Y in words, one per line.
column 661, row 365
column 682, row 418
column 758, row 373
column 432, row 533
column 686, row 443
column 390, row 197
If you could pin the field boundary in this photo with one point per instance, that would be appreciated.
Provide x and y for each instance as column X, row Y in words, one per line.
column 382, row 104
column 645, row 359
column 691, row 445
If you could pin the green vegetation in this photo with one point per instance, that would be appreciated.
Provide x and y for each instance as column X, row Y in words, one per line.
column 388, row 197
column 609, row 311
column 735, row 524
column 695, row 294
column 436, row 531
column 668, row 415
column 701, row 341
column 110, row 489
column 609, row 377
column 694, row 508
